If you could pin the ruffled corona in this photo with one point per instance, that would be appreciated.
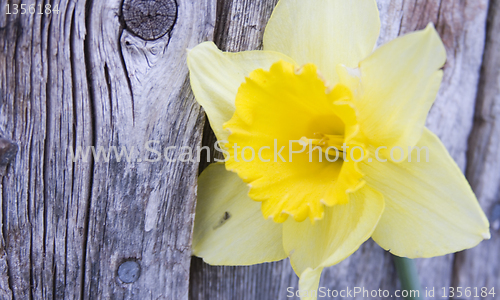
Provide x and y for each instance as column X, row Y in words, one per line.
column 306, row 138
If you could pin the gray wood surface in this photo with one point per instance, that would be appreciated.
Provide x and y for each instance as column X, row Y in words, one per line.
column 81, row 77
column 479, row 267
column 106, row 73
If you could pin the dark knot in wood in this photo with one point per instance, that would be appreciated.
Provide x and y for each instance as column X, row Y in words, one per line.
column 129, row 271
column 149, row 19
column 8, row 151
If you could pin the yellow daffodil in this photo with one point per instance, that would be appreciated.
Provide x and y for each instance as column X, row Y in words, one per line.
column 319, row 86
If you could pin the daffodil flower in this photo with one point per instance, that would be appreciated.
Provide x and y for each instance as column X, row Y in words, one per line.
column 320, row 82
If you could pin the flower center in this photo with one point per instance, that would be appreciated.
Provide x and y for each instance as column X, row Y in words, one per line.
column 287, row 119
column 327, row 142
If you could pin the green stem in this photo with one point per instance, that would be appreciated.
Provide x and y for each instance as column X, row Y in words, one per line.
column 408, row 276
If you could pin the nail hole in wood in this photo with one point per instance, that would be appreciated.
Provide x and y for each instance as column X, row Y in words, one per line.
column 149, row 19
column 129, row 271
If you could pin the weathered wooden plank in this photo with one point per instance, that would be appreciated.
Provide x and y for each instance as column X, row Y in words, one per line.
column 461, row 24
column 8, row 151
column 82, row 77
column 479, row 267
column 22, row 120
column 143, row 212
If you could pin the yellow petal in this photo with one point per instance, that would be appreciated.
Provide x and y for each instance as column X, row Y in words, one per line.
column 216, row 75
column 396, row 87
column 329, row 241
column 324, row 32
column 308, row 283
column 229, row 228
column 430, row 208
column 276, row 110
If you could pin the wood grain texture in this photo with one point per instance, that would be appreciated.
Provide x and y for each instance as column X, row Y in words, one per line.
column 78, row 78
column 461, row 24
column 8, row 150
column 480, row 267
